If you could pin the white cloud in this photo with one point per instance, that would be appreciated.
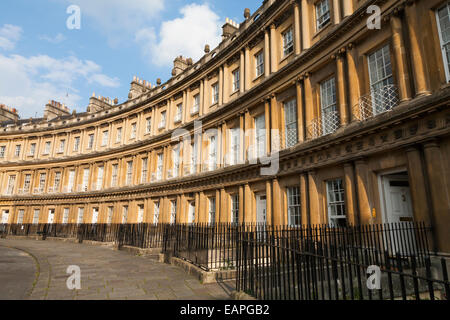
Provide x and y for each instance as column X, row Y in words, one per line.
column 118, row 18
column 56, row 39
column 9, row 35
column 27, row 83
column 186, row 36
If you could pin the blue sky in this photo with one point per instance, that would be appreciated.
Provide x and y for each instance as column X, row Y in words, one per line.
column 41, row 59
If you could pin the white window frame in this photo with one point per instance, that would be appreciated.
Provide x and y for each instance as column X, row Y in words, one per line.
column 156, row 211
column 62, row 145
column 235, row 209
column 32, row 149
column 129, row 180
column 176, row 161
column 105, row 137
column 114, row 174
column 323, row 14
column 215, row 93
column 124, row 214
column 288, row 42
column 173, row 211
column 336, row 201
column 47, row 147
column 133, row 130
column 148, row 127
column 65, row 218
column 260, row 136
column 162, row 123
column 179, row 113
column 144, row 170
column 100, row 173
column 27, row 183
column 236, row 80
column 11, row 184
column 212, row 148
column 80, row 215
column 140, row 217
column 445, row 57
column 2, row 151
column 57, row 181
column 195, row 104
column 90, row 141
column 328, row 105
column 294, row 205
column 85, row 181
column 290, row 123
column 159, row 166
column 17, row 151
column 36, row 214
column 20, row 215
column 235, row 145
column 76, row 144
column 212, row 210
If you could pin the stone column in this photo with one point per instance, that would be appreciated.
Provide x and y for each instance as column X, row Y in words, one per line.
column 314, row 207
column 275, row 137
column 306, row 34
column 364, row 198
column 350, row 194
column 347, row 6
column 269, row 213
column 309, row 112
column 184, row 110
column 417, row 184
column 248, row 213
column 241, row 204
column 241, row 138
column 304, row 194
column 300, row 111
column 266, row 53
column 337, row 11
column 296, row 28
column 273, row 49
column 439, row 191
column 202, row 100
column 220, row 102
column 267, row 115
column 247, row 67
column 278, row 217
column 241, row 72
column 226, row 83
column 400, row 59
column 341, row 87
column 419, row 68
column 353, row 81
column 247, row 142
column 197, row 207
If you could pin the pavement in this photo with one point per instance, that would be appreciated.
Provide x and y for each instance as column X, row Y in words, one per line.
column 37, row 270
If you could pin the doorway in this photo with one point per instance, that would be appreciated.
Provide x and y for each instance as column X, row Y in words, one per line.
column 94, row 215
column 397, row 208
column 51, row 216
column 5, row 216
column 261, row 209
column 191, row 217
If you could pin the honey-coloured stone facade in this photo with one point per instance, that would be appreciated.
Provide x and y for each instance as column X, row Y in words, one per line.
column 356, row 120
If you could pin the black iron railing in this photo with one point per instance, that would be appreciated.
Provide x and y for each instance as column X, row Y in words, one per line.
column 285, row 262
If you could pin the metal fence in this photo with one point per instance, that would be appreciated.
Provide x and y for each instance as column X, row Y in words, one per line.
column 285, row 262
column 324, row 263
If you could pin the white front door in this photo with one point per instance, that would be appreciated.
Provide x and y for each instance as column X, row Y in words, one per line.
column 398, row 209
column 94, row 215
column 261, row 209
column 398, row 199
column 51, row 216
column 5, row 216
column 191, row 212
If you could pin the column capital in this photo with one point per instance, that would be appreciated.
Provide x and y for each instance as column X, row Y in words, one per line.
column 433, row 143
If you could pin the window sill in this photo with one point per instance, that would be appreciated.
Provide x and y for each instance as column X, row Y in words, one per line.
column 286, row 57
column 321, row 30
column 193, row 113
column 177, row 121
column 258, row 77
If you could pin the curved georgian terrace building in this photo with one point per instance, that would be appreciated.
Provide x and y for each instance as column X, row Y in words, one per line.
column 356, row 121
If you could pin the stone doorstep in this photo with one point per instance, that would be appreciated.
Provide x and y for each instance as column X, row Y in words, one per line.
column 140, row 251
column 239, row 295
column 204, row 276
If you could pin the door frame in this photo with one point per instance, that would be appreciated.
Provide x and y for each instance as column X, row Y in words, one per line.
column 381, row 190
column 258, row 199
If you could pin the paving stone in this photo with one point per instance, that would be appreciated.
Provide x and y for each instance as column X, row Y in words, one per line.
column 105, row 274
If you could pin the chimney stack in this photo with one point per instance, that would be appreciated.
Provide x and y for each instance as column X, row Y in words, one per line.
column 55, row 109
